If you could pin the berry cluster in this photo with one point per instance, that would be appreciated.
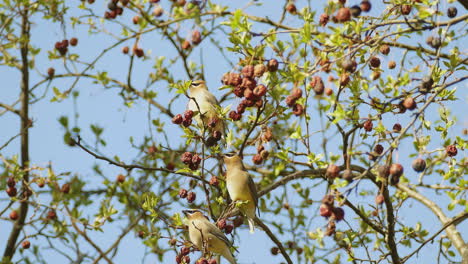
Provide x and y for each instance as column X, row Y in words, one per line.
column 393, row 171
column 185, row 120
column 183, row 257
column 192, row 160
column 196, row 39
column 245, row 86
column 62, row 47
column 291, row 99
column 262, row 154
column 223, row 225
column 190, row 196
column 328, row 210
column 11, row 190
column 114, row 9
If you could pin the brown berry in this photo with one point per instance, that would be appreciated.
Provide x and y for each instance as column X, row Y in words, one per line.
column 451, row 150
column 365, row 6
column 291, row 8
column 338, row 213
column 73, row 41
column 328, row 200
column 272, row 65
column 324, row 18
column 396, row 170
column 333, row 171
column 397, row 128
column 347, row 175
column 418, row 165
column 238, row 221
column 298, row 109
column 260, row 90
column 184, row 251
column 379, row 199
column 120, row 178
column 328, row 91
column 344, row 79
column 248, row 71
column 139, row 52
column 234, row 79
column 274, row 251
column 391, row 64
column 406, row 9
column 51, row 72
column 170, row 166
column 136, row 19
column 343, row 14
column 290, row 101
column 349, row 65
column 65, row 188
column 374, row 62
column 125, row 50
column 409, row 103
column 259, row 70
column 325, row 210
column 384, row 171
column 385, row 49
column 186, row 157
column 191, row 196
column 158, row 11
column 228, row 229
column 183, row 193
column 186, row 45
column 214, row 181
column 11, row 182
column 221, row 223
column 196, row 159
column 12, row 191
column 317, row 84
column 248, row 83
column 452, row 12
column 378, row 149
column 51, row 215
column 296, row 93
column 186, row 258
column 368, row 125
column 196, row 37
column 257, row 159
column 235, row 116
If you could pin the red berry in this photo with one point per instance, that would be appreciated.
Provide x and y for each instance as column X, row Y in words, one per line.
column 11, row 182
column 238, row 221
column 343, row 14
column 406, row 9
column 221, row 223
column 186, row 45
column 196, row 37
column 379, row 199
column 11, row 191
column 73, row 41
column 120, row 178
column 186, row 259
column 248, row 71
column 136, row 19
column 365, row 6
column 170, row 166
column 234, row 115
column 187, row 122
column 212, row 261
column 14, row 215
column 296, row 93
column 260, row 90
column 325, row 210
column 26, row 244
column 184, row 251
column 298, row 109
column 186, row 158
column 51, row 215
column 177, row 119
column 324, row 18
column 291, row 8
column 228, row 229
column 257, row 159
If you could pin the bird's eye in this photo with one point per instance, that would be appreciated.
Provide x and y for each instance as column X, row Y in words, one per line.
column 230, row 154
column 195, row 83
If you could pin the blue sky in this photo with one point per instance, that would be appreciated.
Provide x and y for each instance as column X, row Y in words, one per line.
column 97, row 105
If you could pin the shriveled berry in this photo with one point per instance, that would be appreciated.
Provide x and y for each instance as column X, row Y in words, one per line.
column 139, row 52
column 187, row 122
column 451, row 150
column 260, row 90
column 184, row 251
column 317, row 84
column 418, row 165
column 234, row 79
column 248, row 94
column 328, row 200
column 221, row 223
column 409, row 103
column 259, row 70
column 426, row 84
column 248, row 83
column 183, row 193
column 234, row 115
column 378, row 149
column 323, row 20
column 349, row 65
column 238, row 221
column 333, row 171
column 228, row 229
column 191, row 196
column 248, row 71
column 272, row 65
column 214, row 181
column 178, row 259
column 298, row 109
column 384, row 171
column 290, row 101
column 186, row 157
column 296, row 93
column 196, row 159
column 257, row 159
column 384, row 49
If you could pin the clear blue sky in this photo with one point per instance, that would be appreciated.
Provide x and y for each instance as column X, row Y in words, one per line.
column 97, row 105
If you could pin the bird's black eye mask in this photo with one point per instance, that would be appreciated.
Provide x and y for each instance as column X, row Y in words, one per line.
column 196, row 83
column 230, row 154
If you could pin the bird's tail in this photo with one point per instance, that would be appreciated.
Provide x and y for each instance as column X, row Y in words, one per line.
column 227, row 254
column 251, row 225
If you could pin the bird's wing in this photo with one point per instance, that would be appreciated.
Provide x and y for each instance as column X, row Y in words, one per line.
column 253, row 190
column 213, row 230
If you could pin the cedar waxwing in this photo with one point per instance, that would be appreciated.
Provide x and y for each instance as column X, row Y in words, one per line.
column 204, row 102
column 241, row 187
column 203, row 233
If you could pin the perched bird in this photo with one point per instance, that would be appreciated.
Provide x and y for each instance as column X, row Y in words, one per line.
column 205, row 103
column 203, row 233
column 241, row 187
